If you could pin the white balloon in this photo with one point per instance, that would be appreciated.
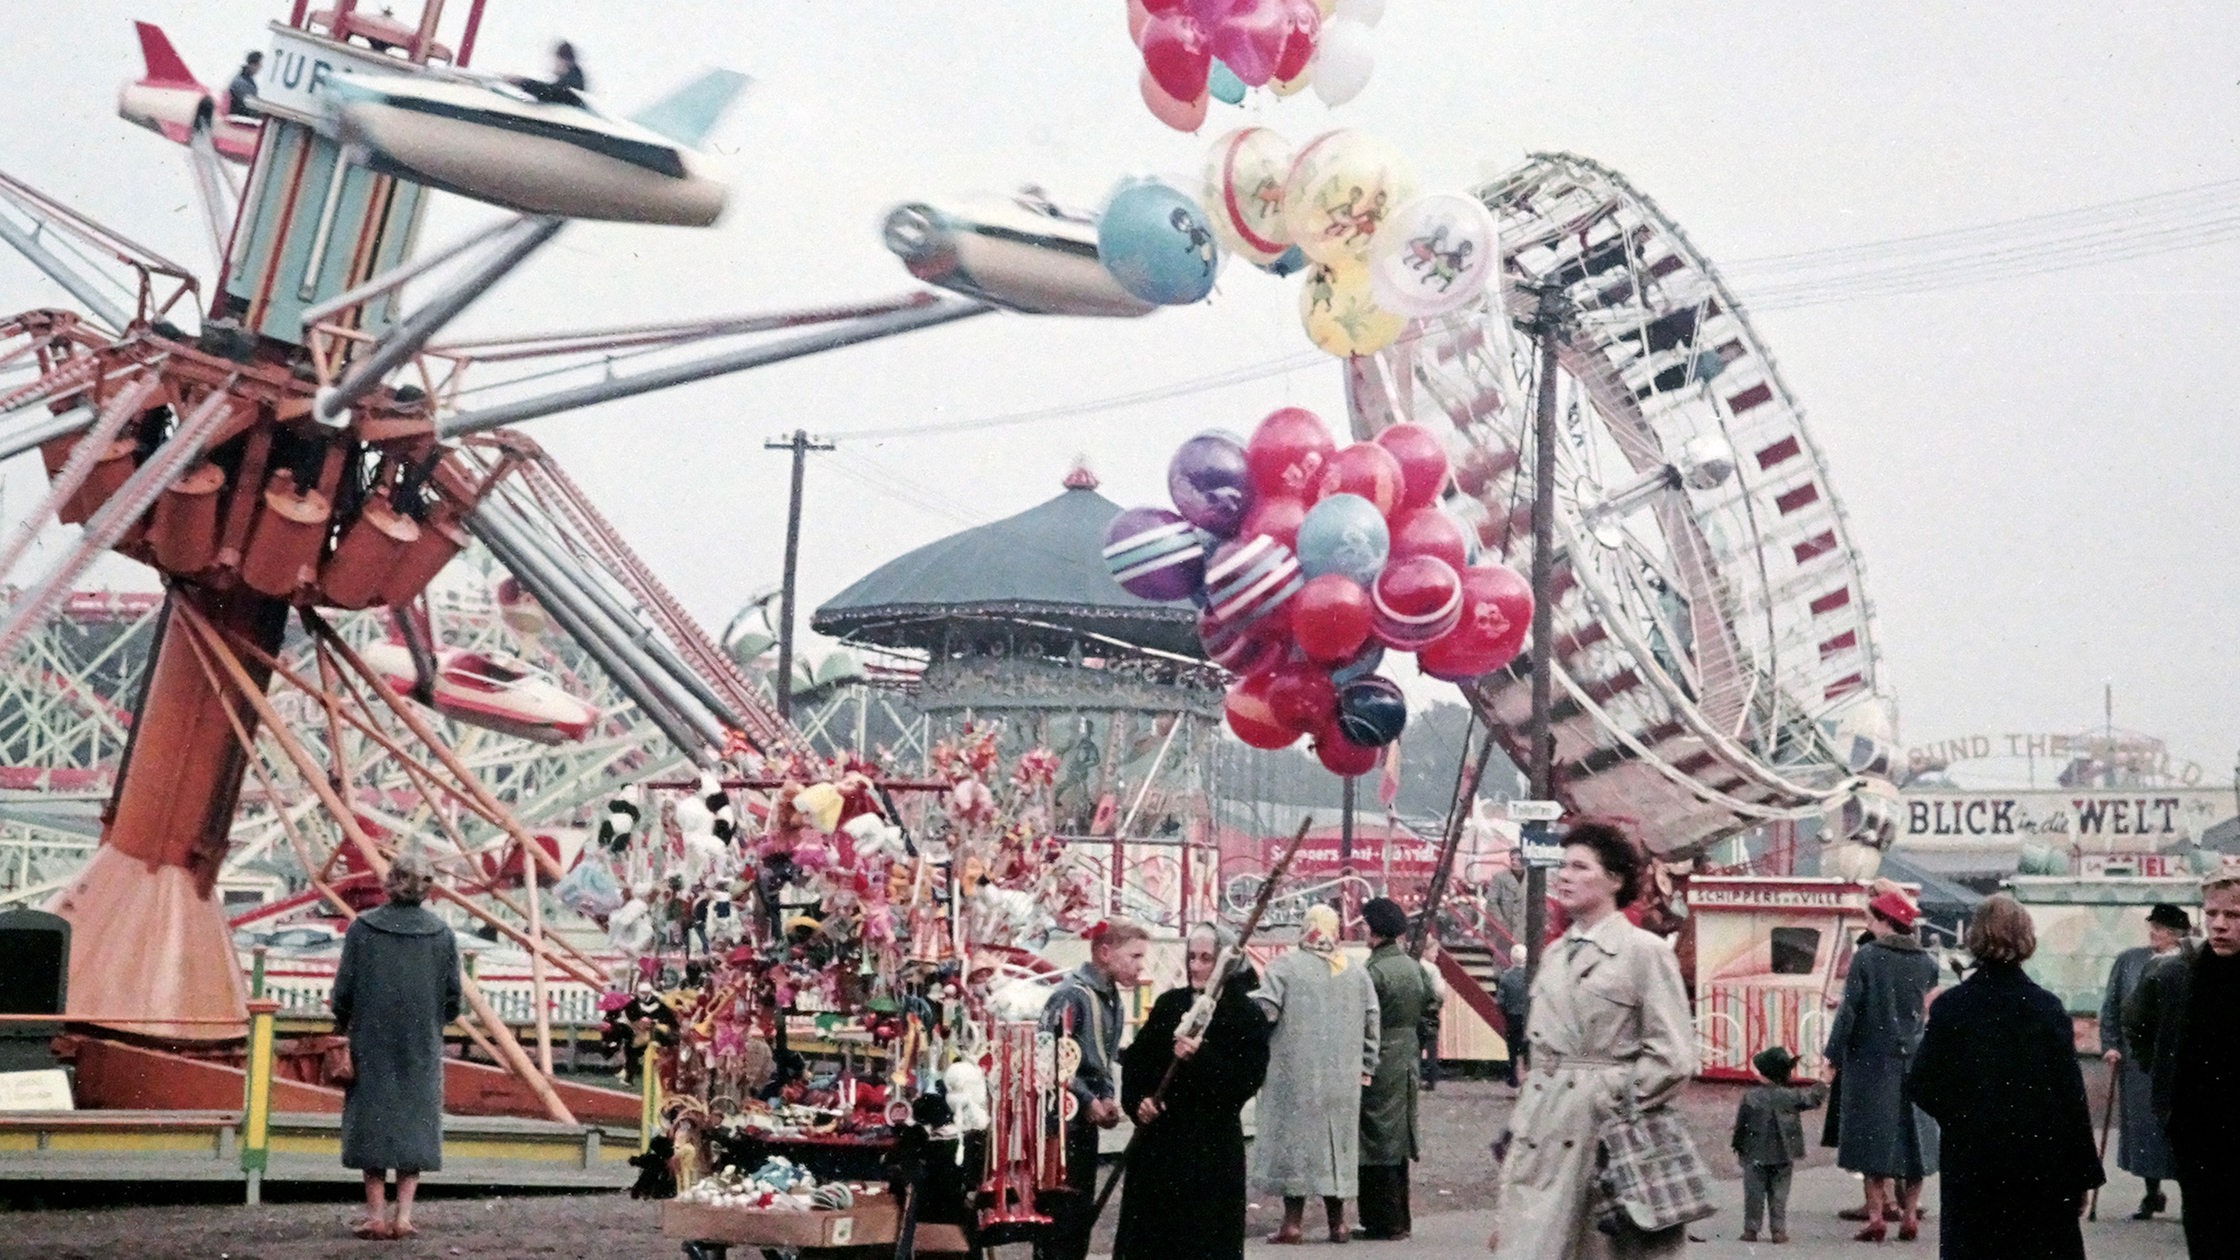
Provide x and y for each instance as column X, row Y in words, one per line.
column 1344, row 57
column 1366, row 12
column 1433, row 255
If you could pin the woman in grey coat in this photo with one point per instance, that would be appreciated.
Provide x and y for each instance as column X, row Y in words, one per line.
column 1321, row 1054
column 1881, row 1135
column 395, row 988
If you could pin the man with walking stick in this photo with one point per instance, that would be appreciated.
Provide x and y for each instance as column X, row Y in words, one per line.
column 2141, row 1149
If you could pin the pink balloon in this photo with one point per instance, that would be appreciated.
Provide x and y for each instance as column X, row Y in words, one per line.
column 1138, row 18
column 1303, row 23
column 1178, row 55
column 1180, row 115
column 1251, row 41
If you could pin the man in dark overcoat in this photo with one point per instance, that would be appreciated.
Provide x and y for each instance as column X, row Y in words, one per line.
column 2185, row 1022
column 1405, row 1003
column 2141, row 1149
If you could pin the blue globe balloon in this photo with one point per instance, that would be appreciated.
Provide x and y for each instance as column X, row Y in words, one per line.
column 1223, row 82
column 1157, row 243
column 1344, row 533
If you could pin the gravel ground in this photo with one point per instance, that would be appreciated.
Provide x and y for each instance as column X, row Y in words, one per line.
column 1459, row 1120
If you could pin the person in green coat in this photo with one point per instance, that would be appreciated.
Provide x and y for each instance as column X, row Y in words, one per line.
column 1407, row 1005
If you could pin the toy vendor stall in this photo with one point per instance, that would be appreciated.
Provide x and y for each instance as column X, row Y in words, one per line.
column 834, row 993
column 1770, row 958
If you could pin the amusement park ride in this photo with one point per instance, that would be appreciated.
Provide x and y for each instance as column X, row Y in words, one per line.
column 1713, row 652
column 290, row 445
column 307, row 452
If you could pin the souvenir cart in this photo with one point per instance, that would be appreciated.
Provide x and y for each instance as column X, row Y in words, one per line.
column 835, row 994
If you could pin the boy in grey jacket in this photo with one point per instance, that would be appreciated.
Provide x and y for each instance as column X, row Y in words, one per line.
column 1769, row 1140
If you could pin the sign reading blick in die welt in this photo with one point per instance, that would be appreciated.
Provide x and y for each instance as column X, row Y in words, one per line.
column 2110, row 821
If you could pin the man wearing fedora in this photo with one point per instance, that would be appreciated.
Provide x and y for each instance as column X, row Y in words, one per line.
column 2141, row 1150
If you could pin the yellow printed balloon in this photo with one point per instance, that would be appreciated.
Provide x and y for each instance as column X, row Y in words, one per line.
column 1340, row 315
column 1292, row 87
column 1243, row 198
column 1342, row 188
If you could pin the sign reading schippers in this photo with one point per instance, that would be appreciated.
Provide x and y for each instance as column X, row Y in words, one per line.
column 2114, row 821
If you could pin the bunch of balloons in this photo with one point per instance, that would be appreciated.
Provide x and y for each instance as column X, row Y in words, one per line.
column 1309, row 562
column 1200, row 50
column 1345, row 208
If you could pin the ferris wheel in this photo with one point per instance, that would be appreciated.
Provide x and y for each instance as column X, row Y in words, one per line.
column 1713, row 648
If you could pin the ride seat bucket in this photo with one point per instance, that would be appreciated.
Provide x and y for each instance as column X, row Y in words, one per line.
column 184, row 532
column 368, row 554
column 441, row 538
column 283, row 553
column 109, row 474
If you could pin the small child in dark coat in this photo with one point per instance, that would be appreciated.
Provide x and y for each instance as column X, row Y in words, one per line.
column 1769, row 1140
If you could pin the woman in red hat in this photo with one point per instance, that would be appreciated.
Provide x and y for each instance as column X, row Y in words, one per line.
column 1881, row 1135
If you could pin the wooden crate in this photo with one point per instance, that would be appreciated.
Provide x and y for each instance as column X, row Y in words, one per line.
column 866, row 1224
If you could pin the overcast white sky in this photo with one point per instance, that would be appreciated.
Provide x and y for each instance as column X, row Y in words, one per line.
column 2039, row 471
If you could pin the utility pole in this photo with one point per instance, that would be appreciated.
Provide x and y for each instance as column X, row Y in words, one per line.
column 800, row 443
column 1551, row 322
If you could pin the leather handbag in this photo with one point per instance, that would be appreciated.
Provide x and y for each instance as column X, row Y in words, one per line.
column 336, row 1065
column 1651, row 1178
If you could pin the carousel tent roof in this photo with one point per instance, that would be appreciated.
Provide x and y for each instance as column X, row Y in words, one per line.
column 1045, row 564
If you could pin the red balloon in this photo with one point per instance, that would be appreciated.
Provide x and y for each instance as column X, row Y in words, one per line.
column 1161, row 7
column 1428, row 532
column 1423, row 463
column 1302, row 695
column 1181, row 115
column 1330, row 618
column 1287, row 453
column 1177, row 54
column 1298, row 45
column 1341, row 756
column 1366, row 469
column 1253, row 718
column 1417, row 602
column 1496, row 616
column 1277, row 516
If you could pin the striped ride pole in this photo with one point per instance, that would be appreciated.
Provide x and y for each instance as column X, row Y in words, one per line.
column 256, row 1108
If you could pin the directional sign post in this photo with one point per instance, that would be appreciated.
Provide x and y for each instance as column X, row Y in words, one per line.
column 1541, row 848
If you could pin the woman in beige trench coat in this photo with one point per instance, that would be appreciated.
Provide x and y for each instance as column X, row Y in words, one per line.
column 1609, row 1015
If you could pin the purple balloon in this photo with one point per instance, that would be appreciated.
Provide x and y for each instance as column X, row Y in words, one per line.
column 1210, row 486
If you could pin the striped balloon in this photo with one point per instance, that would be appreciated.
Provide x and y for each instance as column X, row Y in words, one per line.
column 1154, row 554
column 1415, row 601
column 1250, row 578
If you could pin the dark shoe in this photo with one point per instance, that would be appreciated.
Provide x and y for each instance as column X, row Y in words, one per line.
column 1286, row 1237
column 1749, row 1235
column 1340, row 1234
column 1852, row 1214
column 1873, row 1233
column 2150, row 1205
column 1909, row 1231
column 1779, row 1237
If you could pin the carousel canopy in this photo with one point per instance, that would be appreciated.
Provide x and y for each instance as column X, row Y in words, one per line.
column 1045, row 565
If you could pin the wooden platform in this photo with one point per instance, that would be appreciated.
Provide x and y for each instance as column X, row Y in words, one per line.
column 204, row 1146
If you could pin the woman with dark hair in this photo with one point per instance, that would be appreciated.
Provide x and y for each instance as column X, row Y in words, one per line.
column 1610, row 1021
column 1998, row 1069
column 1880, row 1134
column 395, row 988
column 1184, row 1198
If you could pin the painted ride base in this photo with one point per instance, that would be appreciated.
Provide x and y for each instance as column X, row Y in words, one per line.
column 205, row 1146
